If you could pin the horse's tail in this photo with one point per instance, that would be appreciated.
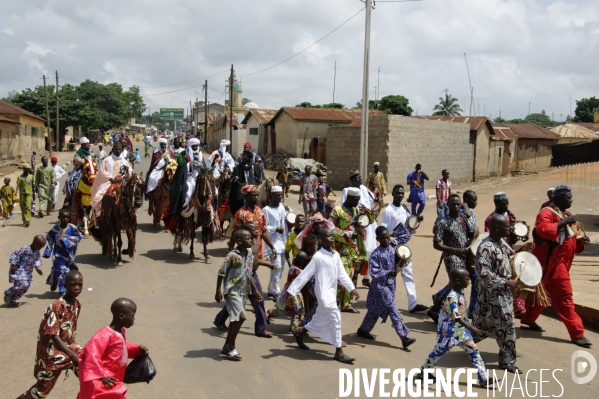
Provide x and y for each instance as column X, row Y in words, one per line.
column 108, row 202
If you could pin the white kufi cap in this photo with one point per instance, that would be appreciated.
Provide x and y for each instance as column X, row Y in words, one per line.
column 83, row 140
column 276, row 189
column 353, row 191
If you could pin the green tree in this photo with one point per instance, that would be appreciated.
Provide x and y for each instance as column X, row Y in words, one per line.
column 371, row 104
column 306, row 104
column 395, row 105
column 244, row 101
column 585, row 108
column 333, row 105
column 540, row 119
column 8, row 99
column 448, row 106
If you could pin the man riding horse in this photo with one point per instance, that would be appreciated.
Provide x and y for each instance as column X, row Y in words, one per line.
column 158, row 189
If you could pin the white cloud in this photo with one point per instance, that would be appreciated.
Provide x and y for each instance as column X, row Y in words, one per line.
column 536, row 51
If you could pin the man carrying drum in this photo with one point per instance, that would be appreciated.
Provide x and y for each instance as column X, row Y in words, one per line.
column 394, row 217
column 502, row 204
column 557, row 240
column 494, row 313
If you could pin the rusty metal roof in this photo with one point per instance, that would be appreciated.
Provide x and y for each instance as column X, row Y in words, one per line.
column 572, row 130
column 9, row 109
column 263, row 116
column 504, row 133
column 476, row 122
column 5, row 119
column 324, row 114
column 529, row 131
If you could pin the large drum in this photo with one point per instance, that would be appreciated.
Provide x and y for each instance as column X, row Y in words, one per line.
column 290, row 218
column 527, row 269
column 476, row 242
column 413, row 223
column 364, row 221
column 403, row 252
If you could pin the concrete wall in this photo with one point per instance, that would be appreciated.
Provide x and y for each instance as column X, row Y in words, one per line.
column 17, row 142
column 239, row 138
column 254, row 140
column 533, row 154
column 399, row 143
column 290, row 134
column 483, row 141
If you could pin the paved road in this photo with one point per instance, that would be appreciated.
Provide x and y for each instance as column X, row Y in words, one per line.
column 175, row 298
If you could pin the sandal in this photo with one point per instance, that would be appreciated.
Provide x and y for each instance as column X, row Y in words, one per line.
column 583, row 342
column 267, row 334
column 220, row 327
column 268, row 316
column 533, row 327
column 344, row 359
column 300, row 340
column 349, row 309
column 512, row 369
column 233, row 355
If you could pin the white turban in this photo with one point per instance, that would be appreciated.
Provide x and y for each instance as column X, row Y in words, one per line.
column 276, row 189
column 83, row 140
column 353, row 191
column 193, row 141
column 224, row 143
column 162, row 140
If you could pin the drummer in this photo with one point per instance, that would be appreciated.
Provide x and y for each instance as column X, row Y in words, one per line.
column 350, row 239
column 451, row 235
column 502, row 204
column 395, row 217
column 494, row 313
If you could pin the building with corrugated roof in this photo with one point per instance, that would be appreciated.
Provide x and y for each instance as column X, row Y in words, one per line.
column 21, row 133
column 533, row 149
column 255, row 123
column 298, row 131
column 571, row 133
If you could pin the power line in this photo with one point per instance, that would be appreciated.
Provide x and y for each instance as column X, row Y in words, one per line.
column 188, row 81
column 312, row 45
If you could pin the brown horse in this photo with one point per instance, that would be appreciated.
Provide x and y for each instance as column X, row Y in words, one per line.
column 199, row 213
column 159, row 198
column 80, row 205
column 119, row 213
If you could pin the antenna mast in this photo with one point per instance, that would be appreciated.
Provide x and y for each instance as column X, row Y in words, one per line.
column 471, row 88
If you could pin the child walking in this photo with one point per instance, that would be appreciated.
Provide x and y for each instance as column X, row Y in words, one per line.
column 454, row 329
column 103, row 360
column 7, row 197
column 236, row 272
column 22, row 263
column 56, row 347
column 26, row 194
column 137, row 156
column 62, row 246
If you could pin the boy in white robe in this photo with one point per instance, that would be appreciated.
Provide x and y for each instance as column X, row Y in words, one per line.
column 327, row 270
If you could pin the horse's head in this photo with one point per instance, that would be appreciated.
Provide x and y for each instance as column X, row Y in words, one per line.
column 134, row 190
column 90, row 168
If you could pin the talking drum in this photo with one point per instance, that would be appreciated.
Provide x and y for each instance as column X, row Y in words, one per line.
column 521, row 231
column 527, row 269
column 413, row 222
column 403, row 252
column 476, row 242
column 363, row 220
column 290, row 218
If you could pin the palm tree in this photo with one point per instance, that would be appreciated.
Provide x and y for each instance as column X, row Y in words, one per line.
column 447, row 106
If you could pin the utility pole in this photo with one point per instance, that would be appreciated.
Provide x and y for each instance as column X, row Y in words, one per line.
column 364, row 135
column 334, row 80
column 57, row 133
column 378, row 89
column 478, row 113
column 231, row 105
column 48, row 117
column 528, row 108
column 206, row 112
column 570, row 98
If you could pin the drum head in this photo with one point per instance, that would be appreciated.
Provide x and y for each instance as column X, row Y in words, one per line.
column 520, row 229
column 477, row 241
column 364, row 220
column 403, row 251
column 413, row 222
column 290, row 218
column 528, row 267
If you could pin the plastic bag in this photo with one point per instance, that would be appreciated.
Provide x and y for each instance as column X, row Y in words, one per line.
column 141, row 369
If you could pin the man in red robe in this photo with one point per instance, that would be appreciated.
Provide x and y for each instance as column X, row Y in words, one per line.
column 103, row 360
column 557, row 241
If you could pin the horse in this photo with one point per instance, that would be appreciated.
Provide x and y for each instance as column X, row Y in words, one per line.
column 199, row 213
column 80, row 206
column 159, row 198
column 264, row 191
column 119, row 213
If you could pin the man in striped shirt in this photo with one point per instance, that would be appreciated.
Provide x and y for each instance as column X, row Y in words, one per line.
column 443, row 193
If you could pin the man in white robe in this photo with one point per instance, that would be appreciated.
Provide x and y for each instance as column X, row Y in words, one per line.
column 194, row 164
column 109, row 169
column 327, row 270
column 275, row 213
column 220, row 159
column 60, row 172
column 156, row 171
column 367, row 199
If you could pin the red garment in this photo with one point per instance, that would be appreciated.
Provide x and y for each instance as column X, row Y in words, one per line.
column 556, row 273
column 257, row 216
column 105, row 355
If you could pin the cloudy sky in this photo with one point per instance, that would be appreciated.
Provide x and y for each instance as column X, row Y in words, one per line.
column 520, row 51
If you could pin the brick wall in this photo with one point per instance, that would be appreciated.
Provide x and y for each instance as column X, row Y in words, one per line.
column 399, row 143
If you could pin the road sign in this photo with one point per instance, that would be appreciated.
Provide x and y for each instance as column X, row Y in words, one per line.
column 171, row 113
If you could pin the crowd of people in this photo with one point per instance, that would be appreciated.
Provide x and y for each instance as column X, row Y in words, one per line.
column 325, row 248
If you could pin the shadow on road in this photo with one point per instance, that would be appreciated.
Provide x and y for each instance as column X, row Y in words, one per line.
column 168, row 256
column 149, row 228
column 293, row 352
column 211, row 304
column 211, row 353
column 45, row 295
column 99, row 261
